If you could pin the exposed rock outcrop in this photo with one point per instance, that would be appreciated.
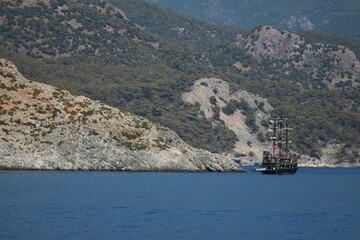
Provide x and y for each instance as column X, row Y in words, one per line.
column 331, row 64
column 42, row 127
column 248, row 144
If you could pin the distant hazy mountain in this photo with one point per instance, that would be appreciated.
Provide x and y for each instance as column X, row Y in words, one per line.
column 340, row 17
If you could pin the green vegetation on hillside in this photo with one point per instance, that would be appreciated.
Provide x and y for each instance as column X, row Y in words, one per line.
column 144, row 64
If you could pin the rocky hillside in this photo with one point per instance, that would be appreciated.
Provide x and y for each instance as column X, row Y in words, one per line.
column 52, row 29
column 140, row 58
column 332, row 65
column 239, row 111
column 248, row 116
column 42, row 127
column 109, row 52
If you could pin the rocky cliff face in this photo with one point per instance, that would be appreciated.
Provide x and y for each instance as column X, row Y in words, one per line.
column 42, row 127
column 214, row 95
column 333, row 65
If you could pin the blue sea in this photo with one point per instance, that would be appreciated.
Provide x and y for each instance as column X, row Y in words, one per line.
column 312, row 204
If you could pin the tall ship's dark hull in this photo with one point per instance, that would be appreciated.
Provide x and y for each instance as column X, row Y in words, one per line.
column 279, row 165
column 281, row 171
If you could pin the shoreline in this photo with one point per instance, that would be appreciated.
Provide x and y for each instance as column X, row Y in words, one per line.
column 120, row 171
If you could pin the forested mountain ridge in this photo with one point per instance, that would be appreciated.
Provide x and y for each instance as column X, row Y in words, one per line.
column 340, row 17
column 137, row 56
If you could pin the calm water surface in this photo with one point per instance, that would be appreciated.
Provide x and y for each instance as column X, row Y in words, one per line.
column 313, row 204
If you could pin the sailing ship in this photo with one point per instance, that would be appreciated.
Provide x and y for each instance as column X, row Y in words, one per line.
column 281, row 160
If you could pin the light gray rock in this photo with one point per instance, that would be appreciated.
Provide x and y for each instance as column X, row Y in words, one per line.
column 42, row 127
column 205, row 88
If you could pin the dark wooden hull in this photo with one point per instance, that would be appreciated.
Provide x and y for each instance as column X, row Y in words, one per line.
column 280, row 171
column 284, row 165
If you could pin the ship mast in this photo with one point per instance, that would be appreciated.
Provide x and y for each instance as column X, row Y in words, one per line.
column 287, row 136
column 274, row 137
column 280, row 136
